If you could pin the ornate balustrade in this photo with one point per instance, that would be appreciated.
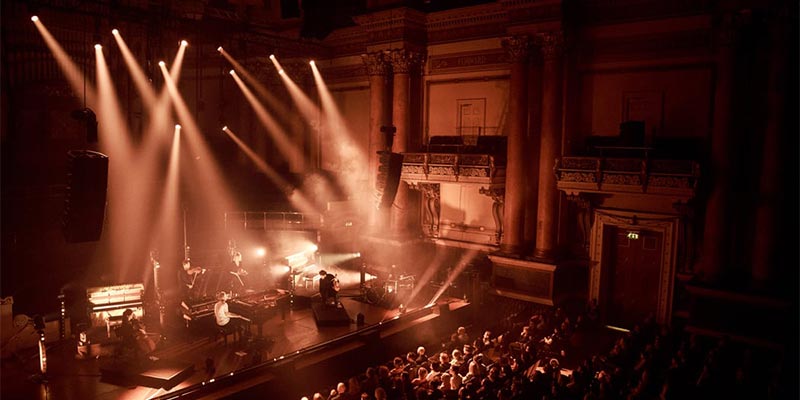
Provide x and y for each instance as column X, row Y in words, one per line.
column 449, row 167
column 627, row 175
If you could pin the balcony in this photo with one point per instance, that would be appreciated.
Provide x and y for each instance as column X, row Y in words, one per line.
column 674, row 178
column 484, row 169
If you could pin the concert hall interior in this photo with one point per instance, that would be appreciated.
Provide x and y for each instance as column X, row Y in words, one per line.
column 285, row 199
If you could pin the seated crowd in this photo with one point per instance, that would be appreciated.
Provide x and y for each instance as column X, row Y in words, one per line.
column 529, row 360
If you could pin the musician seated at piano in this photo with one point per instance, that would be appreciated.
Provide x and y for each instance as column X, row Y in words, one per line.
column 227, row 319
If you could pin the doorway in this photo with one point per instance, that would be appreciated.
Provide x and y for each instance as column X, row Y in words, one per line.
column 632, row 261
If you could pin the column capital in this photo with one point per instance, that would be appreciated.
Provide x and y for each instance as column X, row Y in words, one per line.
column 551, row 44
column 405, row 61
column 517, row 47
column 729, row 25
column 377, row 63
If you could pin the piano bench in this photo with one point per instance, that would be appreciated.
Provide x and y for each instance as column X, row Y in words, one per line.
column 224, row 331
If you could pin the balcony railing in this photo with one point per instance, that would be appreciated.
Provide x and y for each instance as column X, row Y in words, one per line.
column 450, row 167
column 628, row 175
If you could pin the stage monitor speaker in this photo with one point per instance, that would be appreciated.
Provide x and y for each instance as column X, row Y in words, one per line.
column 391, row 165
column 85, row 202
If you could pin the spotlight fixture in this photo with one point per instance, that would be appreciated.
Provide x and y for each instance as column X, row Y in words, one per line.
column 281, row 72
column 98, row 46
column 161, row 63
column 115, row 32
column 34, row 18
column 225, row 128
column 231, row 72
column 272, row 56
column 184, row 43
column 219, row 49
column 312, row 63
column 178, row 126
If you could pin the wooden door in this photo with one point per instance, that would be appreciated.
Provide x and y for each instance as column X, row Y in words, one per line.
column 631, row 265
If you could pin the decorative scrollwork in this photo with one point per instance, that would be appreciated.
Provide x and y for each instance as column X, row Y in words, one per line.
column 473, row 172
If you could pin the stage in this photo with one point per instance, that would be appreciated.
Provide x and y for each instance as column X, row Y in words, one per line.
column 179, row 364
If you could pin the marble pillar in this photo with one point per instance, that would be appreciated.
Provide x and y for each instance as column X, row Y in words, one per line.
column 518, row 48
column 552, row 47
column 380, row 112
column 404, row 63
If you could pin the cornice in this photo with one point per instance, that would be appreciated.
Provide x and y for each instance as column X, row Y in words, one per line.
column 399, row 24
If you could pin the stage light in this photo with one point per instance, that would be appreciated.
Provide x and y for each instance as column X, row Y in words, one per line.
column 313, row 247
column 184, row 43
column 272, row 56
column 281, row 72
column 261, row 252
column 115, row 32
column 178, row 126
column 219, row 49
column 98, row 46
column 287, row 268
column 225, row 128
column 311, row 62
column 34, row 18
column 161, row 63
column 358, row 254
column 231, row 72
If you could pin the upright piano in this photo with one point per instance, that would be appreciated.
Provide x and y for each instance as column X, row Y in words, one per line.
column 107, row 303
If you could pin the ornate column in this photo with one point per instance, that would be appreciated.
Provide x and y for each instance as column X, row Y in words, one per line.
column 769, row 196
column 404, row 62
column 552, row 46
column 378, row 69
column 518, row 48
column 716, row 237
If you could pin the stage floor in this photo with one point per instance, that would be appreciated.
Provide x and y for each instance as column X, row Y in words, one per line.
column 68, row 378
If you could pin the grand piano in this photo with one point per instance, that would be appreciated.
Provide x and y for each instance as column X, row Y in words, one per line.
column 258, row 307
column 261, row 306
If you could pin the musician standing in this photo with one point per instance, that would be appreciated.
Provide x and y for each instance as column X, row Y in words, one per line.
column 189, row 278
column 325, row 286
column 225, row 318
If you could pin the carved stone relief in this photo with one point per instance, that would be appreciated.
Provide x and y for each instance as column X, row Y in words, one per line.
column 498, row 195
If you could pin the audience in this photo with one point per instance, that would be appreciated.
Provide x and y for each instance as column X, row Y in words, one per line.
column 547, row 355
